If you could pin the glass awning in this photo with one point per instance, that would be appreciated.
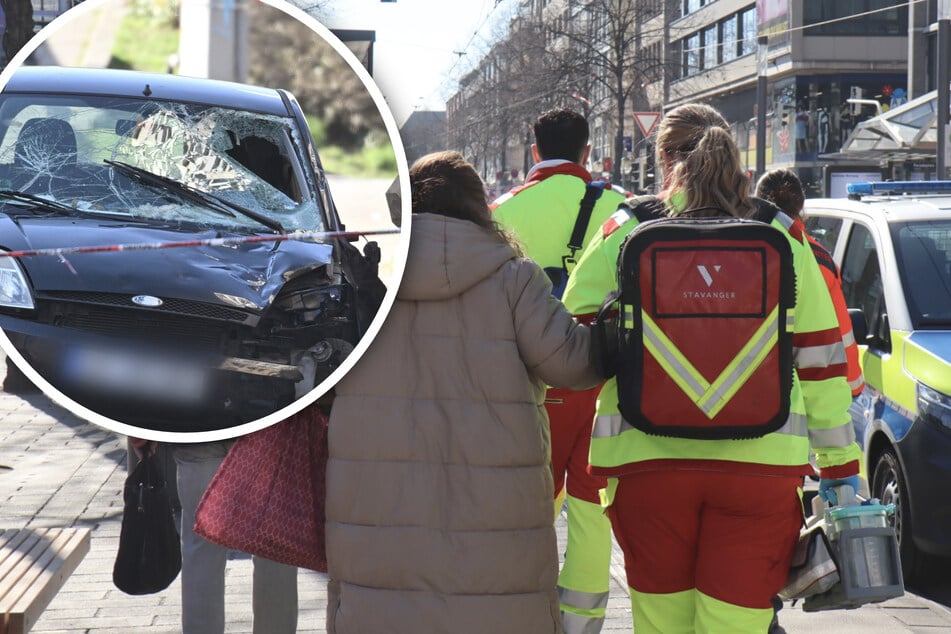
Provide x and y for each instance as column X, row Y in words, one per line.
column 905, row 132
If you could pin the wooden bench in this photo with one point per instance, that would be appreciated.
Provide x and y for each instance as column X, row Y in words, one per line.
column 34, row 565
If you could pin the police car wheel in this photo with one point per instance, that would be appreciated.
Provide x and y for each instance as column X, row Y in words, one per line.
column 890, row 487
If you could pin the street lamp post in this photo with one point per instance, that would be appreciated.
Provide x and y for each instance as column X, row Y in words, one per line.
column 761, row 63
column 943, row 72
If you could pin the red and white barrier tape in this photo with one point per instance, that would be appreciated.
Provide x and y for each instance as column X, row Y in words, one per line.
column 209, row 242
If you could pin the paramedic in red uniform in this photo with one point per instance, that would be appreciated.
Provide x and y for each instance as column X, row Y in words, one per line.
column 784, row 189
column 707, row 526
column 542, row 214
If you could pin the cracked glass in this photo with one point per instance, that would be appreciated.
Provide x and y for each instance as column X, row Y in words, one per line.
column 100, row 156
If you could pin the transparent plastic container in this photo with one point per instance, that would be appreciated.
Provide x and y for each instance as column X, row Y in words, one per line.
column 842, row 518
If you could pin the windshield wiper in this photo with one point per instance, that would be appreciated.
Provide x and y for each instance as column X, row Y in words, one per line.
column 33, row 201
column 205, row 199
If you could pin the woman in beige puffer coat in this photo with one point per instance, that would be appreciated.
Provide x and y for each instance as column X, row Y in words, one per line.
column 439, row 488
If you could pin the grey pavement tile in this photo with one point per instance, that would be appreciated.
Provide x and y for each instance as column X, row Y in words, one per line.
column 920, row 617
column 68, row 472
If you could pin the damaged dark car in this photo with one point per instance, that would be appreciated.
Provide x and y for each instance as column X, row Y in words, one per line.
column 172, row 338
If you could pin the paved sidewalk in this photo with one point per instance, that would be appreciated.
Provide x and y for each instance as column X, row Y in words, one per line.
column 86, row 41
column 58, row 470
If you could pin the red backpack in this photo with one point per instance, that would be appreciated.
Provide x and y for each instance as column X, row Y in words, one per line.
column 704, row 325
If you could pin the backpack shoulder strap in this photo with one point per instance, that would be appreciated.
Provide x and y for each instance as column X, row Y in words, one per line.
column 592, row 193
column 643, row 208
column 764, row 211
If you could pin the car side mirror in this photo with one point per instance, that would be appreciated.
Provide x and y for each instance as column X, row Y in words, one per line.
column 883, row 334
column 371, row 251
column 859, row 325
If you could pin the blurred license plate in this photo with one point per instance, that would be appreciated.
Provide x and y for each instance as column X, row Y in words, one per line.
column 127, row 373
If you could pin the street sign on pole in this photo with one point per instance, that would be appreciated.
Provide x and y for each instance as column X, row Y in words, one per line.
column 646, row 121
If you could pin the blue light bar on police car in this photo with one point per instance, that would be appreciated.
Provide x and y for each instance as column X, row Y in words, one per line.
column 898, row 187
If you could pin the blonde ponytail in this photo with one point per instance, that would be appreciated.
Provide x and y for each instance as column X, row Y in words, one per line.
column 703, row 162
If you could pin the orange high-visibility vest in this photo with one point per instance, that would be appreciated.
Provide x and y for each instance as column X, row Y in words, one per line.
column 830, row 272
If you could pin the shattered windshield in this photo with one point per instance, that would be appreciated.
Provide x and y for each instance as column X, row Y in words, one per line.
column 72, row 150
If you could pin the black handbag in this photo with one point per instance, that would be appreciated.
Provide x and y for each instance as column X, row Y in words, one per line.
column 150, row 553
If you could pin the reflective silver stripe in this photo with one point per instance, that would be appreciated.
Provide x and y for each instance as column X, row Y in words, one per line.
column 577, row 624
column 848, row 339
column 683, row 373
column 583, row 600
column 790, row 320
column 729, row 383
column 609, row 426
column 841, row 436
column 819, row 356
column 784, row 220
column 855, row 383
column 795, row 425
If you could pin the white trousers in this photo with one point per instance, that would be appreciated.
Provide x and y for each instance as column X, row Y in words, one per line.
column 274, row 591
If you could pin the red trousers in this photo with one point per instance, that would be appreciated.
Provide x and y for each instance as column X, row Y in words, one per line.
column 570, row 416
column 728, row 535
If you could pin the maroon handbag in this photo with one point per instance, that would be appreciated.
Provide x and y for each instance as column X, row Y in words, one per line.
column 267, row 497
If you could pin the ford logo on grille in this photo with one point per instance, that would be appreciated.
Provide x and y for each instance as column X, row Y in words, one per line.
column 147, row 300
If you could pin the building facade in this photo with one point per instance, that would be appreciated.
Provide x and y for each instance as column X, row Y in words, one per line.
column 829, row 66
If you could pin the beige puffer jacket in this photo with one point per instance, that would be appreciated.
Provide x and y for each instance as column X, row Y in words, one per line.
column 439, row 489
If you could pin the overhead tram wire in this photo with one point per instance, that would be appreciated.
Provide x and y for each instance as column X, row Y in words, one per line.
column 464, row 50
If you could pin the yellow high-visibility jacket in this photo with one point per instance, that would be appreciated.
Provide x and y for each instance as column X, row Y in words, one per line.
column 542, row 212
column 819, row 400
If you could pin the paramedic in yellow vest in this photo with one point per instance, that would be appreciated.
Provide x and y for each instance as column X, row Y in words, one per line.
column 541, row 213
column 707, row 526
column 784, row 189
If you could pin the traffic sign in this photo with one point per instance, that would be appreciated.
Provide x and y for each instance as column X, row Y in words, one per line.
column 646, row 121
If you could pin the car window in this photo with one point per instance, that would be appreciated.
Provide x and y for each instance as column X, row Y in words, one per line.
column 923, row 250
column 825, row 230
column 60, row 148
column 862, row 278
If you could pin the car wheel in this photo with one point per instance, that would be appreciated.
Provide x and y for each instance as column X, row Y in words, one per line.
column 889, row 486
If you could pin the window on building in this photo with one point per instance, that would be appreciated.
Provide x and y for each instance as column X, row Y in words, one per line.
column 747, row 35
column 653, row 7
column 728, row 39
column 692, row 54
column 677, row 61
column 693, row 5
column 845, row 17
column 711, row 47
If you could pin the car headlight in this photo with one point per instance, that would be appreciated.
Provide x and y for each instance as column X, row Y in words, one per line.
column 934, row 405
column 14, row 289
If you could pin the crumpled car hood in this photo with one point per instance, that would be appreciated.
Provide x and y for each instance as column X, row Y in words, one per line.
column 254, row 272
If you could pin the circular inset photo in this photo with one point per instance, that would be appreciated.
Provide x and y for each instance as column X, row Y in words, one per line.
column 177, row 262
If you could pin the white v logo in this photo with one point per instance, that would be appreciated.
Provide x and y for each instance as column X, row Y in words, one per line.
column 706, row 274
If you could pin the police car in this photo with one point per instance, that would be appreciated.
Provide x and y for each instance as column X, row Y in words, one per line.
column 892, row 242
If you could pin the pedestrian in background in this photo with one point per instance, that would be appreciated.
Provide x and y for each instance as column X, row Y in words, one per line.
column 542, row 215
column 708, row 526
column 274, row 589
column 439, row 484
column 784, row 189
